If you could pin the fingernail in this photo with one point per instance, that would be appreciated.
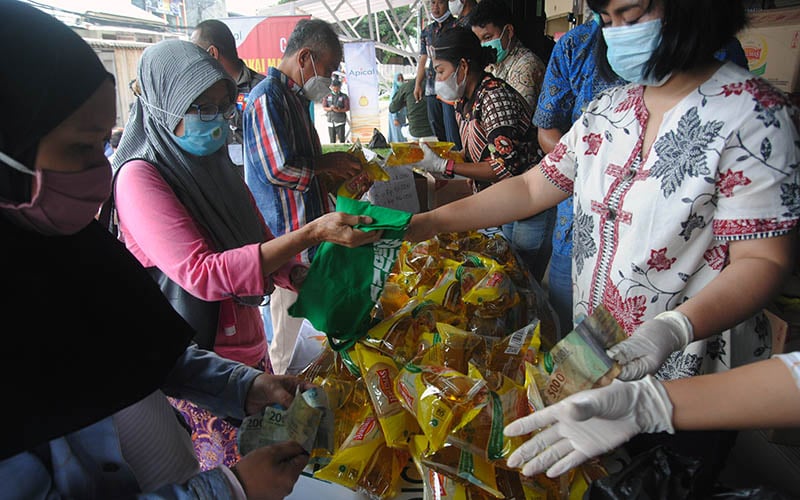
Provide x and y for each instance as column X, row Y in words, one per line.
column 513, row 461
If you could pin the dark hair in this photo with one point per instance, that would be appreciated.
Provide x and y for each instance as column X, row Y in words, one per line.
column 693, row 30
column 217, row 33
column 315, row 34
column 491, row 12
column 461, row 43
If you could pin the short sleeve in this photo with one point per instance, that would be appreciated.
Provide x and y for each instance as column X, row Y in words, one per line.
column 560, row 165
column 757, row 186
column 792, row 362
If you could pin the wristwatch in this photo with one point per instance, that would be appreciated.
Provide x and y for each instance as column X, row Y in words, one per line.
column 448, row 168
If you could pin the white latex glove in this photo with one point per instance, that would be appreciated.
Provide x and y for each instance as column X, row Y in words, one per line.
column 431, row 162
column 651, row 344
column 588, row 424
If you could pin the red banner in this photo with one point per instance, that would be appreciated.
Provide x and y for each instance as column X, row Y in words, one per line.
column 261, row 42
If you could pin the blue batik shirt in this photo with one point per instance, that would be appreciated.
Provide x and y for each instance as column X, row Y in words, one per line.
column 570, row 83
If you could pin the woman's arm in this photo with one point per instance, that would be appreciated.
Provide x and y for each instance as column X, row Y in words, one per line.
column 756, row 272
column 509, row 200
column 754, row 396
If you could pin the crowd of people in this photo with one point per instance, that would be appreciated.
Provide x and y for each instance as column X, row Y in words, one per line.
column 641, row 164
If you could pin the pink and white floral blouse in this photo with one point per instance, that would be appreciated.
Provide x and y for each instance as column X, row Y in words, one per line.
column 652, row 229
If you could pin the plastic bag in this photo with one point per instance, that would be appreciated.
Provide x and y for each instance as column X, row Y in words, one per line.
column 344, row 284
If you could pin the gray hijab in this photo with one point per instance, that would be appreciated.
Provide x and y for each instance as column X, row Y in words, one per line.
column 171, row 75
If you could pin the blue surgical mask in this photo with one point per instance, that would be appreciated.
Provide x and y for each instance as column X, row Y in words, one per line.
column 202, row 138
column 497, row 45
column 630, row 48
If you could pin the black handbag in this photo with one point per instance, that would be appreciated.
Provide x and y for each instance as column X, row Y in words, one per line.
column 202, row 315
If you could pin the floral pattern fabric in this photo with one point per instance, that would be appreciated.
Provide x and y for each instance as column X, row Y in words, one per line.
column 651, row 229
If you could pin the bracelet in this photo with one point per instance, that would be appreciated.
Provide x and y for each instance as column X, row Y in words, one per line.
column 449, row 169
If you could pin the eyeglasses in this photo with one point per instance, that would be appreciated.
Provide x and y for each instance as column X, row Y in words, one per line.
column 209, row 112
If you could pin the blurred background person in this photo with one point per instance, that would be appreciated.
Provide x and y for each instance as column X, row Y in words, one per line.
column 216, row 38
column 397, row 119
column 336, row 105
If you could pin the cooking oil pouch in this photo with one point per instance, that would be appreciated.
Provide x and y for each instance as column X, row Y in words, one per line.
column 447, row 289
column 379, row 373
column 397, row 335
column 404, row 153
column 436, row 486
column 418, row 266
column 441, row 399
column 483, row 435
column 463, row 466
column 514, row 485
column 453, row 347
column 353, row 458
column 580, row 358
column 344, row 284
column 392, row 299
column 371, row 171
column 506, row 355
column 533, row 381
column 494, row 294
column 381, row 479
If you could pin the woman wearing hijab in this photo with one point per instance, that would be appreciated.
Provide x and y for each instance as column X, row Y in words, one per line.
column 93, row 370
column 184, row 211
column 397, row 120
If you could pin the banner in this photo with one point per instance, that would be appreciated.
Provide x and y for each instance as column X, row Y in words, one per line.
column 362, row 87
column 261, row 41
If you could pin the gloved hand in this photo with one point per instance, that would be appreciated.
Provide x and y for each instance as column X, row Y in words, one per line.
column 589, row 423
column 431, row 162
column 651, row 344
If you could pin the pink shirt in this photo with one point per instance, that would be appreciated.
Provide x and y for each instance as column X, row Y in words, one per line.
column 159, row 231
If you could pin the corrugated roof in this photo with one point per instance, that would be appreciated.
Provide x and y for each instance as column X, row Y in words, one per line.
column 105, row 9
column 329, row 10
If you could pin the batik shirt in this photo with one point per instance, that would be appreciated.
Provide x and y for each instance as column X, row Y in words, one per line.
column 280, row 146
column 570, row 83
column 495, row 126
column 426, row 40
column 652, row 230
column 523, row 70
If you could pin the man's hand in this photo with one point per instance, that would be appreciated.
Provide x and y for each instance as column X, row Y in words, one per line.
column 269, row 473
column 339, row 164
column 418, row 91
column 337, row 227
column 270, row 389
column 651, row 344
column 588, row 424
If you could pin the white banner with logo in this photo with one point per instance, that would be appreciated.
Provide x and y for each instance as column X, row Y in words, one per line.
column 362, row 88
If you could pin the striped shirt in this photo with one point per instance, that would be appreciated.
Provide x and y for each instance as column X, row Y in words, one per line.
column 280, row 144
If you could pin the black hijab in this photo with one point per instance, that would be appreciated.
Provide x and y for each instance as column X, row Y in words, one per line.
column 86, row 331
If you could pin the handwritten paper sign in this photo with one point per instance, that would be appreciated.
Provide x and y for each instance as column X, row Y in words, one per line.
column 398, row 192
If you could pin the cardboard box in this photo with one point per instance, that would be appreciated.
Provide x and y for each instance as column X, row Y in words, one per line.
column 440, row 191
column 772, row 45
column 553, row 8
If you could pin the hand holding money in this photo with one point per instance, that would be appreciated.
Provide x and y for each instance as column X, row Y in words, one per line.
column 588, row 424
column 650, row 345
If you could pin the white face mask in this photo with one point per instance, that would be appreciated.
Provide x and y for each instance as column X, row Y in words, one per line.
column 442, row 18
column 450, row 90
column 316, row 87
column 456, row 6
